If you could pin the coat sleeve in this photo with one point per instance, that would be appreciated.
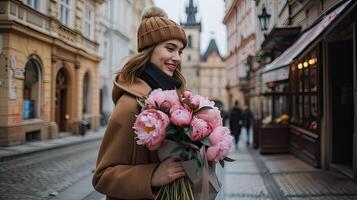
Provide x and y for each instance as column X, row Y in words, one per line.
column 115, row 176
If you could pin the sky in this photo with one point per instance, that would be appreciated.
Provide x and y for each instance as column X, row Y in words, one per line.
column 211, row 13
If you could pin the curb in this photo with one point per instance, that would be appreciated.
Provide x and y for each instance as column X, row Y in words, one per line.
column 40, row 149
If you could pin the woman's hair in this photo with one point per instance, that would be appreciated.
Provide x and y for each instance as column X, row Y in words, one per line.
column 135, row 64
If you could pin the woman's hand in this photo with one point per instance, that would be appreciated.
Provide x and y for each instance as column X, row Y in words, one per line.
column 168, row 171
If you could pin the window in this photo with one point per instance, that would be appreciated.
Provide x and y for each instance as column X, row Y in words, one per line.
column 189, row 41
column 35, row 4
column 88, row 22
column 65, row 10
column 275, row 102
column 31, row 90
column 304, row 93
column 86, row 94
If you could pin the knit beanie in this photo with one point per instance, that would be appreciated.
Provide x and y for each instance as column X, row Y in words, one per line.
column 156, row 27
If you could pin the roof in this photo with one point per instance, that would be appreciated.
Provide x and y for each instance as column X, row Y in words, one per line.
column 212, row 48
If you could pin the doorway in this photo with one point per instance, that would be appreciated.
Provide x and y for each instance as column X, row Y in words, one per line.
column 340, row 60
column 60, row 100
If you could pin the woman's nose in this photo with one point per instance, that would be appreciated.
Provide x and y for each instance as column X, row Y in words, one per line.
column 176, row 57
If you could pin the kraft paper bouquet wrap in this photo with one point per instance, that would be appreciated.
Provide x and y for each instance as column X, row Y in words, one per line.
column 189, row 128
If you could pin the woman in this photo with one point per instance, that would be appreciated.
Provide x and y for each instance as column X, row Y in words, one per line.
column 124, row 169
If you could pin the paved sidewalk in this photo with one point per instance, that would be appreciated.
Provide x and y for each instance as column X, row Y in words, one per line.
column 32, row 147
column 281, row 177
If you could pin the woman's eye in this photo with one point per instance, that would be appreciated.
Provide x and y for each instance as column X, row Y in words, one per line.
column 180, row 52
column 170, row 49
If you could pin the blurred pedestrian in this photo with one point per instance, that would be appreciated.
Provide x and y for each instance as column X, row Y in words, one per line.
column 126, row 170
column 225, row 116
column 235, row 122
column 247, row 116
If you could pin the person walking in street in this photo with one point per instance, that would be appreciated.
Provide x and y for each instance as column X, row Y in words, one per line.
column 247, row 116
column 126, row 170
column 235, row 122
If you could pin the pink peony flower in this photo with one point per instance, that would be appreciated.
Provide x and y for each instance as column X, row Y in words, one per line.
column 193, row 102
column 180, row 116
column 212, row 117
column 200, row 129
column 221, row 141
column 204, row 101
column 159, row 96
column 149, row 128
column 187, row 94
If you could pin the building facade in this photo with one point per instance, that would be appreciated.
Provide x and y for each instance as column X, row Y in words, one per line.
column 213, row 75
column 191, row 54
column 49, row 68
column 307, row 83
column 138, row 8
column 240, row 22
column 115, row 44
column 119, row 19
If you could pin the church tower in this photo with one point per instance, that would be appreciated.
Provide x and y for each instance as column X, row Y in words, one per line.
column 191, row 54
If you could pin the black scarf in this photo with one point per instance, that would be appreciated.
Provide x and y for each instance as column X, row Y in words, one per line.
column 156, row 78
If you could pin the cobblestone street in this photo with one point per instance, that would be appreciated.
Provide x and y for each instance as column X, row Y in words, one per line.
column 38, row 175
column 67, row 171
column 281, row 177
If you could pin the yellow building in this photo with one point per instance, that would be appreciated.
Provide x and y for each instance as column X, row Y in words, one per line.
column 213, row 75
column 48, row 68
column 240, row 22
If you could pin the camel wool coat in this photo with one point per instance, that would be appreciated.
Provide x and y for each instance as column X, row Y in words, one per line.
column 124, row 169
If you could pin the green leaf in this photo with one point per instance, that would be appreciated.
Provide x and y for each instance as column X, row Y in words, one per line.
column 134, row 113
column 229, row 159
column 177, row 151
column 186, row 101
column 171, row 130
column 140, row 102
column 205, row 141
column 222, row 163
column 202, row 109
column 188, row 130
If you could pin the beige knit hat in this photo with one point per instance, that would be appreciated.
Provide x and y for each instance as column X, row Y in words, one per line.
column 156, row 27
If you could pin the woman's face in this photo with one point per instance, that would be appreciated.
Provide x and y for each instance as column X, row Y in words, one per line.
column 167, row 56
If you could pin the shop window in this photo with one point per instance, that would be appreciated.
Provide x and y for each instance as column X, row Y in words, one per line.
column 31, row 90
column 275, row 103
column 304, row 109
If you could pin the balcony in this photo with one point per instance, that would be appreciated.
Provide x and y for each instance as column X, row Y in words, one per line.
column 13, row 13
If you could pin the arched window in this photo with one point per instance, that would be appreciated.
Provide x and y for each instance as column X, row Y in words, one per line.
column 189, row 45
column 31, row 90
column 86, row 94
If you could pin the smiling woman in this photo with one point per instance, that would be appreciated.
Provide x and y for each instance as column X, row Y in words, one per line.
column 126, row 170
column 167, row 56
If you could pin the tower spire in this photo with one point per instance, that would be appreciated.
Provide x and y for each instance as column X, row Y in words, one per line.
column 191, row 12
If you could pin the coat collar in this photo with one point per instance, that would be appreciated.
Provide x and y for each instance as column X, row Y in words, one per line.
column 138, row 89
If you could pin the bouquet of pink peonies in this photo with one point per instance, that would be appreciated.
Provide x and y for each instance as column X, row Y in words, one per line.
column 187, row 127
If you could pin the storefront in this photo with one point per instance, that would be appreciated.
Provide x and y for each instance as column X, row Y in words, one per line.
column 315, row 78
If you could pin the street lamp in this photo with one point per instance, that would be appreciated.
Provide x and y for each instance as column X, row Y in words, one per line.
column 264, row 19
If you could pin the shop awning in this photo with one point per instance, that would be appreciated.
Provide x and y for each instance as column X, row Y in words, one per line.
column 279, row 69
